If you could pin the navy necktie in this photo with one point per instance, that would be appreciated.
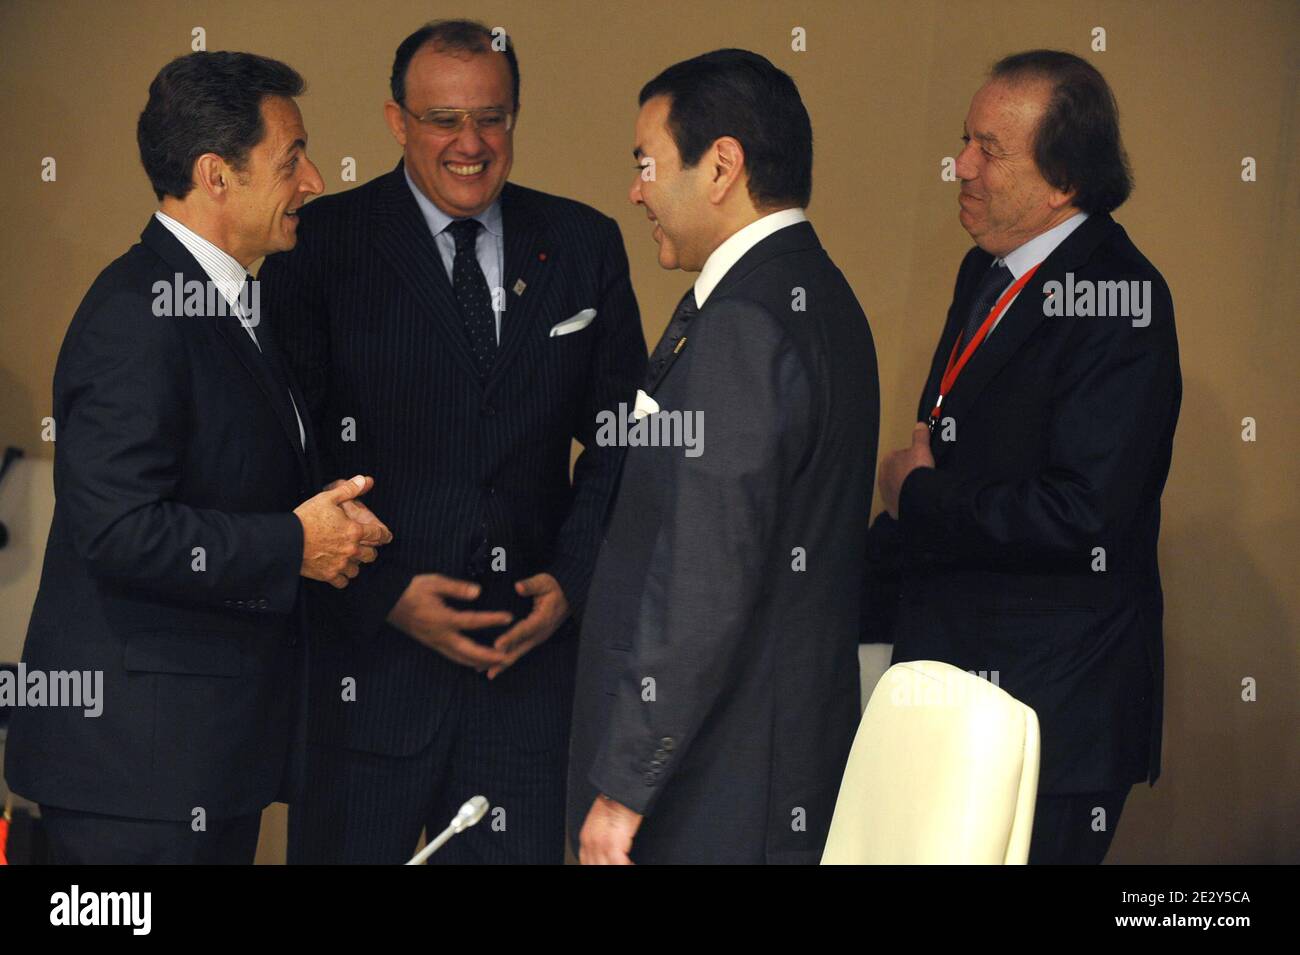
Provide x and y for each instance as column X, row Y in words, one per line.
column 991, row 286
column 470, row 287
column 676, row 330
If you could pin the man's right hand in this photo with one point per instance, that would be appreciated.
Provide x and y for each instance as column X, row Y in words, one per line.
column 423, row 615
column 333, row 544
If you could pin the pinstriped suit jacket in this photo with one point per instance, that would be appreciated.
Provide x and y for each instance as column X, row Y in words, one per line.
column 366, row 317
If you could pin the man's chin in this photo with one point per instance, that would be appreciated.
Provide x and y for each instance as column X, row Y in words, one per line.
column 470, row 199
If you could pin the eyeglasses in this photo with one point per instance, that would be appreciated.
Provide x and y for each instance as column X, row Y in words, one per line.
column 448, row 121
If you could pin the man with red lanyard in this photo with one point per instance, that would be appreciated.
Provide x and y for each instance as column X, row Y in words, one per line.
column 1019, row 539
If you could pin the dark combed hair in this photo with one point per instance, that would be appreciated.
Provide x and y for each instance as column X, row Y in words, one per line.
column 1077, row 144
column 741, row 94
column 467, row 36
column 206, row 103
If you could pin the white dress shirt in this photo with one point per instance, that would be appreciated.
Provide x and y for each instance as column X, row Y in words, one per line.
column 1024, row 258
column 225, row 272
column 731, row 251
column 489, row 247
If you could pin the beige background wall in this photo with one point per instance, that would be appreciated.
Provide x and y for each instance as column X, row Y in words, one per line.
column 1200, row 86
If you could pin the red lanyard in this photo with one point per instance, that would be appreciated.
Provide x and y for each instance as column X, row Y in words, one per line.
column 957, row 363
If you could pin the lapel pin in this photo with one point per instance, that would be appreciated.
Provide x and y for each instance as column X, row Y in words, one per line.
column 541, row 256
column 520, row 285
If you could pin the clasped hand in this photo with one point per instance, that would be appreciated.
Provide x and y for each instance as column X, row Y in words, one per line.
column 423, row 614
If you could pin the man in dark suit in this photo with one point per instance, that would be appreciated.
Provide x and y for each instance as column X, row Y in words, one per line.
column 718, row 678
column 455, row 332
column 1020, row 538
column 171, row 576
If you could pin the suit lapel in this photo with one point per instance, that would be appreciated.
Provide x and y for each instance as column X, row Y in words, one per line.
column 526, row 268
column 228, row 328
column 798, row 237
column 282, row 380
column 795, row 238
column 405, row 243
column 258, row 365
column 1017, row 326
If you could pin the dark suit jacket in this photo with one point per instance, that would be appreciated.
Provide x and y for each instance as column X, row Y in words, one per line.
column 172, row 433
column 1064, row 431
column 730, row 579
column 367, row 316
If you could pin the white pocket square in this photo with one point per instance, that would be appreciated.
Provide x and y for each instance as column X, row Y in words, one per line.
column 645, row 405
column 575, row 323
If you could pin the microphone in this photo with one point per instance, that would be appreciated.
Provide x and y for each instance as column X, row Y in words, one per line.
column 468, row 814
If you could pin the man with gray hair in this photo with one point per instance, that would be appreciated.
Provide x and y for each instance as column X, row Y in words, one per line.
column 1021, row 525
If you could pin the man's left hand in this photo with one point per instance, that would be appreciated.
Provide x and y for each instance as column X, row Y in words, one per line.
column 898, row 465
column 550, row 608
column 606, row 837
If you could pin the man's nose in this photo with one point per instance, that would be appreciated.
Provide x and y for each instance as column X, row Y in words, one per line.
column 968, row 163
column 313, row 183
column 634, row 194
column 468, row 140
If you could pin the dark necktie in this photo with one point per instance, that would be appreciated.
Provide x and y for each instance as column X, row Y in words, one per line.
column 993, row 284
column 673, row 334
column 472, row 296
column 269, row 354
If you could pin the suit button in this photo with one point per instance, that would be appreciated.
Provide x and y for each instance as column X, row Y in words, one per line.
column 667, row 743
column 661, row 754
column 650, row 779
column 261, row 604
column 656, row 765
column 239, row 603
column 488, row 411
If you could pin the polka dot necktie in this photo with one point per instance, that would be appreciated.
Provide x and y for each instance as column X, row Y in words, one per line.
column 472, row 296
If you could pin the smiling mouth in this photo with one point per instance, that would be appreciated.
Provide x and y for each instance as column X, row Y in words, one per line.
column 466, row 169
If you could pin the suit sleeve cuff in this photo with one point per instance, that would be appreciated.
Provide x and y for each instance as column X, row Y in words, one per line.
column 284, row 536
column 640, row 799
column 367, row 600
column 574, row 577
column 920, row 503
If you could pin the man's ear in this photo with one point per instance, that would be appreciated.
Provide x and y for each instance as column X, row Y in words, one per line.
column 727, row 158
column 396, row 122
column 213, row 176
column 1058, row 199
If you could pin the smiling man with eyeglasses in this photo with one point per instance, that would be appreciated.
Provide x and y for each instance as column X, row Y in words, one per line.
column 457, row 331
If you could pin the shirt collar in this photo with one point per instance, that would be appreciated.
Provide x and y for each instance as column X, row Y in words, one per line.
column 1041, row 246
column 439, row 220
column 221, row 267
column 731, row 251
